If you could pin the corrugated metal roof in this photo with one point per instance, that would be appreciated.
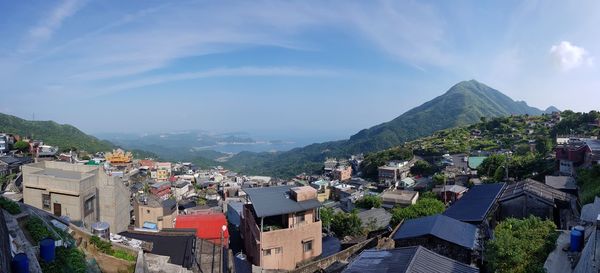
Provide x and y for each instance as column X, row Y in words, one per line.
column 272, row 201
column 539, row 189
column 440, row 226
column 475, row 203
column 416, row 259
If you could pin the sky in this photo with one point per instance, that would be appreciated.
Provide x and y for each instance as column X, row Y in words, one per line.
column 318, row 68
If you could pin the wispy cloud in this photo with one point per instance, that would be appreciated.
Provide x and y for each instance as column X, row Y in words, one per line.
column 568, row 56
column 225, row 72
column 44, row 30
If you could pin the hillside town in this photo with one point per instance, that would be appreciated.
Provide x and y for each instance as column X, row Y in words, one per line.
column 432, row 211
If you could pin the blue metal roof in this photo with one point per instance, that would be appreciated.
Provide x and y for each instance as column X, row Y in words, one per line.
column 271, row 201
column 440, row 226
column 415, row 259
column 475, row 204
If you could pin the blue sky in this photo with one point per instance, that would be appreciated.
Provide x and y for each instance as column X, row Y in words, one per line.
column 323, row 68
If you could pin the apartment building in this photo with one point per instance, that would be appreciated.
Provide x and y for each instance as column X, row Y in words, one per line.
column 86, row 194
column 154, row 213
column 281, row 226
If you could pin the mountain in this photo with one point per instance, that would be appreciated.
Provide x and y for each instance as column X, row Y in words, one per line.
column 551, row 110
column 463, row 104
column 62, row 135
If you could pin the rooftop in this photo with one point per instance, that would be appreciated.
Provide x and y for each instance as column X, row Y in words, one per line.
column 476, row 203
column 561, row 182
column 539, row 189
column 177, row 245
column 379, row 217
column 440, row 226
column 58, row 173
column 271, row 201
column 415, row 259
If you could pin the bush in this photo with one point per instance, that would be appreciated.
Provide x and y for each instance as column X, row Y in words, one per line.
column 369, row 202
column 68, row 260
column 10, row 206
column 346, row 224
column 521, row 246
column 423, row 207
column 37, row 229
column 102, row 245
column 589, row 183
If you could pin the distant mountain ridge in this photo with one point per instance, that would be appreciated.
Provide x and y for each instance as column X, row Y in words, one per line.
column 464, row 103
column 62, row 135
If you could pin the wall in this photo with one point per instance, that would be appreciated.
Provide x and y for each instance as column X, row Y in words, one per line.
column 319, row 265
column 151, row 214
column 114, row 202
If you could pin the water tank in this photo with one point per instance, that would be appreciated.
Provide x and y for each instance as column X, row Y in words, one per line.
column 47, row 250
column 576, row 239
column 20, row 263
column 101, row 229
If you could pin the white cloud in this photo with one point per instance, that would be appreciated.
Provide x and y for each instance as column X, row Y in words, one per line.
column 48, row 25
column 225, row 72
column 568, row 56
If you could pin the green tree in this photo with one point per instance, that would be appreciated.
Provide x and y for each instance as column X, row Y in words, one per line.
column 423, row 207
column 22, row 146
column 521, row 246
column 369, row 202
column 327, row 217
column 439, row 178
column 499, row 174
column 422, row 168
column 346, row 224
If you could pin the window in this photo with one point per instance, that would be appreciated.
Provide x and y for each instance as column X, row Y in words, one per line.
column 89, row 206
column 271, row 251
column 46, row 201
column 307, row 246
column 300, row 217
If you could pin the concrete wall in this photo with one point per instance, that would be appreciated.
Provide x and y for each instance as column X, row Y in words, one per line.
column 114, row 202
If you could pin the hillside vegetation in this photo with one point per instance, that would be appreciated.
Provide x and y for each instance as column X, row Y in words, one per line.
column 62, row 135
column 463, row 104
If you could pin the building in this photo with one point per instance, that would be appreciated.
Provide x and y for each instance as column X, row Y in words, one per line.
column 180, row 189
column 393, row 172
column 329, row 165
column 154, row 213
column 530, row 197
column 4, row 143
column 414, row 259
column 85, row 194
column 342, row 173
column 441, row 234
column 400, row 198
column 323, row 190
column 12, row 164
column 565, row 184
column 575, row 153
column 161, row 189
column 477, row 205
column 407, row 182
column 450, row 193
column 163, row 171
column 281, row 226
column 208, row 225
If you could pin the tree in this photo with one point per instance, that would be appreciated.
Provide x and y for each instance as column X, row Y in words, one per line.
column 326, row 217
column 22, row 146
column 346, row 224
column 499, row 174
column 369, row 202
column 423, row 207
column 439, row 178
column 421, row 168
column 521, row 246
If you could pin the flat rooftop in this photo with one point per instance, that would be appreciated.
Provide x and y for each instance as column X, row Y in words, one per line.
column 58, row 173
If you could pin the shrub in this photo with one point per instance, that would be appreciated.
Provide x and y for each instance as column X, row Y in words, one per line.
column 37, row 229
column 103, row 246
column 346, row 224
column 423, row 207
column 369, row 202
column 68, row 260
column 10, row 206
column 123, row 255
